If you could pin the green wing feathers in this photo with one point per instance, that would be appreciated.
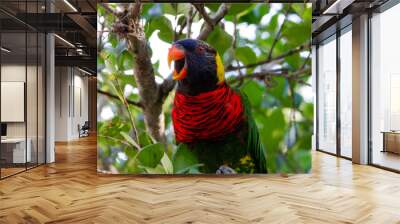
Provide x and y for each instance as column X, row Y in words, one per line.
column 254, row 146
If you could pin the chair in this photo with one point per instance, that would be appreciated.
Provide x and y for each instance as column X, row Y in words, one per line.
column 84, row 130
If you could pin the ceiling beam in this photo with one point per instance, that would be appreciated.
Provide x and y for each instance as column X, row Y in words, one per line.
column 337, row 7
column 84, row 24
column 78, row 61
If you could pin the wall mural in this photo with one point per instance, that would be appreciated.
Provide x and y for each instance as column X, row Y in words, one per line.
column 204, row 88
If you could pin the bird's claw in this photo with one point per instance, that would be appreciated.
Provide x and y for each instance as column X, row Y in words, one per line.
column 225, row 170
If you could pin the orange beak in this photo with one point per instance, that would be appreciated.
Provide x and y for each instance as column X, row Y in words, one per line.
column 175, row 54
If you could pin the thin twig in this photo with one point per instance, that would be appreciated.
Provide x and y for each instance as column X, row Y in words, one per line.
column 211, row 21
column 165, row 87
column 189, row 20
column 306, row 60
column 135, row 13
column 284, row 55
column 114, row 139
column 175, row 18
column 200, row 8
column 235, row 39
column 263, row 75
column 125, row 102
column 278, row 35
column 137, row 104
column 109, row 9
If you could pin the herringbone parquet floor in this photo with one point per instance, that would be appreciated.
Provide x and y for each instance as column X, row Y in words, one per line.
column 70, row 191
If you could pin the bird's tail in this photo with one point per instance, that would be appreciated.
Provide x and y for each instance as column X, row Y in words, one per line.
column 254, row 145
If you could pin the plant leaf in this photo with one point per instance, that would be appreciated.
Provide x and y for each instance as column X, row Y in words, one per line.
column 183, row 159
column 167, row 164
column 151, row 155
column 128, row 139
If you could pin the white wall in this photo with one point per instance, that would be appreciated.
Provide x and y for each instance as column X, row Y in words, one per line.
column 16, row 73
column 12, row 73
column 61, row 103
column 33, row 126
column 71, row 102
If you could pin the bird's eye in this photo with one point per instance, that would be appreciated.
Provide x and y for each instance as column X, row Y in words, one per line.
column 200, row 49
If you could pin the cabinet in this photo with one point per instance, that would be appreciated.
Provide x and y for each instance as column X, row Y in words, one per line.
column 391, row 142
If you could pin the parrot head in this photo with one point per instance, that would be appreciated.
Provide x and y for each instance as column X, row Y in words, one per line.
column 197, row 66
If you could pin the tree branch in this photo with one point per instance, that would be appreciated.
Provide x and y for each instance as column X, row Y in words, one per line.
column 200, row 8
column 267, row 74
column 219, row 15
column 210, row 21
column 109, row 9
column 306, row 60
column 130, row 115
column 189, row 19
column 282, row 56
column 115, row 140
column 278, row 35
column 130, row 28
column 133, row 103
column 166, row 86
column 135, row 9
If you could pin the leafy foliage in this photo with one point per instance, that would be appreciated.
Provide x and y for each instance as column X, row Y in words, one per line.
column 283, row 114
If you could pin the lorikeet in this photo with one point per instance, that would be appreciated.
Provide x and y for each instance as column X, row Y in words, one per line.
column 210, row 117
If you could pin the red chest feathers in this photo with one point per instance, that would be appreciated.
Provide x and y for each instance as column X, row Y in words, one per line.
column 206, row 116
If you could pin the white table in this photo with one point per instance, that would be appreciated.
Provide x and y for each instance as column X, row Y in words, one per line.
column 19, row 155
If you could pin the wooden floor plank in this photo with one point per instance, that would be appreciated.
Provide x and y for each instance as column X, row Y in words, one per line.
column 71, row 191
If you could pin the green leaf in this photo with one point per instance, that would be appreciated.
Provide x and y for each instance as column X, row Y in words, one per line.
column 253, row 14
column 213, row 6
column 294, row 61
column 144, row 139
column 157, row 170
column 238, row 8
column 128, row 138
column 220, row 40
column 100, row 10
column 125, row 60
column 194, row 169
column 298, row 8
column 297, row 33
column 254, row 92
column 130, row 153
column 280, row 91
column 167, row 164
column 164, row 26
column 273, row 24
column 183, row 159
column 168, row 8
column 113, row 40
column 151, row 155
column 146, row 8
column 245, row 54
column 308, row 110
column 298, row 100
column 183, row 9
column 302, row 160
